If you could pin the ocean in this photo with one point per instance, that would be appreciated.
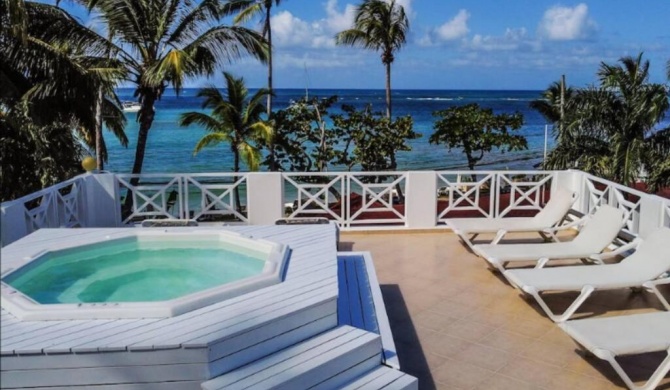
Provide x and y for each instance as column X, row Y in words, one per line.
column 170, row 147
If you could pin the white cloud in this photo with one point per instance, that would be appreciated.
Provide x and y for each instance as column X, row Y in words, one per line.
column 455, row 28
column 566, row 24
column 513, row 39
column 407, row 5
column 288, row 30
column 337, row 21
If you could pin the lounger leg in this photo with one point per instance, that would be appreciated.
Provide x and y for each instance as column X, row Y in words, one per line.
column 586, row 292
column 651, row 384
column 499, row 236
column 467, row 241
column 542, row 262
column 657, row 292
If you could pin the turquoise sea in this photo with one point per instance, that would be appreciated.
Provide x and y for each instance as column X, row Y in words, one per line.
column 170, row 148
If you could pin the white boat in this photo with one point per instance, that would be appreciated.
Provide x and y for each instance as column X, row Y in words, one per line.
column 131, row 106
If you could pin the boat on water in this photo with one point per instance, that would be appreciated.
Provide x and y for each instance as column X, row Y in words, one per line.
column 130, row 106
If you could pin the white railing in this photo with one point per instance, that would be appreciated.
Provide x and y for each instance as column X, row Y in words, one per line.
column 598, row 191
column 492, row 194
column 56, row 206
column 350, row 199
column 353, row 200
column 203, row 197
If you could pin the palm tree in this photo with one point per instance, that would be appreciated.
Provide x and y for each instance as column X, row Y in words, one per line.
column 249, row 9
column 382, row 26
column 53, row 68
column 165, row 42
column 609, row 130
column 235, row 119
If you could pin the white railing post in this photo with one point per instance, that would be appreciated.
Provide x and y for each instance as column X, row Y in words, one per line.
column 651, row 215
column 265, row 197
column 421, row 200
column 573, row 180
column 13, row 223
column 102, row 207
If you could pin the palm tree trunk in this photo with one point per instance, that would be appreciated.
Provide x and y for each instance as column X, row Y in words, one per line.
column 146, row 119
column 273, row 165
column 98, row 131
column 269, row 30
column 388, row 90
column 236, row 168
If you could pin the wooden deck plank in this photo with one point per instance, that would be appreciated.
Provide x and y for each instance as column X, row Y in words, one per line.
column 289, row 322
column 277, row 358
column 311, row 372
column 321, row 297
column 240, row 358
column 88, row 343
column 387, row 376
column 103, row 375
column 253, row 374
column 365, row 297
column 343, row 312
column 189, row 327
column 107, row 359
column 44, row 341
column 363, row 380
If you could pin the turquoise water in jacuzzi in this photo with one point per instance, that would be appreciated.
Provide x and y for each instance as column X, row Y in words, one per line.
column 134, row 270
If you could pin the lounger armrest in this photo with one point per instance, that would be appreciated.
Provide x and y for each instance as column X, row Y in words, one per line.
column 576, row 223
column 617, row 252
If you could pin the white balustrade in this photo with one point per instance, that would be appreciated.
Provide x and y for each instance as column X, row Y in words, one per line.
column 55, row 206
column 491, row 194
column 200, row 196
column 353, row 200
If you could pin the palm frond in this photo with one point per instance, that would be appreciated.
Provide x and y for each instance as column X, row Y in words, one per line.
column 250, row 155
column 207, row 122
column 210, row 139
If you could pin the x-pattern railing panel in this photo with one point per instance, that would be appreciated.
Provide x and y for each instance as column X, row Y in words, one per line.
column 315, row 195
column 604, row 192
column 52, row 208
column 377, row 200
column 464, row 194
column 215, row 198
column 154, row 199
column 68, row 206
column 526, row 192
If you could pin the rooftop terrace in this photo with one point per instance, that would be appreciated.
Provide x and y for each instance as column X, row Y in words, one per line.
column 456, row 324
column 459, row 326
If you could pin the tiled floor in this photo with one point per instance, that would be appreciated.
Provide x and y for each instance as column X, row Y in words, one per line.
column 458, row 325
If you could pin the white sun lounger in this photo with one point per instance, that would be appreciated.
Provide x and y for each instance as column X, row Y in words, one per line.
column 610, row 337
column 551, row 215
column 650, row 261
column 597, row 232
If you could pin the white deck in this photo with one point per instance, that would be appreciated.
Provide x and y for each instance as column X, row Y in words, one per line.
column 186, row 349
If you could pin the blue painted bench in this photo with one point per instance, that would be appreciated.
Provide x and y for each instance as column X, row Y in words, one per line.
column 360, row 303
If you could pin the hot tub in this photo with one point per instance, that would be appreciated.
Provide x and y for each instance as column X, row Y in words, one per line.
column 139, row 274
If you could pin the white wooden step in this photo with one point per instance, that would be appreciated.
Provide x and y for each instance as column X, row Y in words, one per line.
column 327, row 361
column 385, row 378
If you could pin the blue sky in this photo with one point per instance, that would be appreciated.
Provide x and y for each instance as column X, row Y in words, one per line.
column 458, row 44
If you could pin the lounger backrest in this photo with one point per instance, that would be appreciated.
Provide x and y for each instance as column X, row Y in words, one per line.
column 559, row 205
column 601, row 229
column 652, row 257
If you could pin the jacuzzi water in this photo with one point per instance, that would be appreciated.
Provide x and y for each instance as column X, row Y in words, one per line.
column 134, row 271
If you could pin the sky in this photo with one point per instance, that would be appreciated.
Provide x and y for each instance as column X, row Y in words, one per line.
column 464, row 44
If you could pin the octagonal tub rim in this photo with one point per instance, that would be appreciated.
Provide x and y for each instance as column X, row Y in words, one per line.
column 26, row 309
